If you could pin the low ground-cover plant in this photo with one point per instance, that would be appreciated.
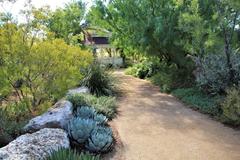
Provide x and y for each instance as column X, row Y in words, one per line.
column 103, row 105
column 99, row 81
column 231, row 107
column 199, row 100
column 67, row 154
column 87, row 130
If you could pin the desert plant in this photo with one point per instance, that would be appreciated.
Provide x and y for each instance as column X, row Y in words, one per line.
column 104, row 105
column 90, row 113
column 100, row 140
column 100, row 119
column 98, row 80
column 67, row 154
column 80, row 129
column 213, row 75
column 86, row 112
column 231, row 107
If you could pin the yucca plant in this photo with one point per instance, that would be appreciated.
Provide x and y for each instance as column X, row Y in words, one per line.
column 80, row 129
column 101, row 140
column 67, row 154
column 98, row 80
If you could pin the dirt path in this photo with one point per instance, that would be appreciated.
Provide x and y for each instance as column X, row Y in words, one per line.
column 156, row 126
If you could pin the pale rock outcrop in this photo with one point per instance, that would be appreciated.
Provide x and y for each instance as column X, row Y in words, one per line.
column 56, row 117
column 36, row 146
column 78, row 91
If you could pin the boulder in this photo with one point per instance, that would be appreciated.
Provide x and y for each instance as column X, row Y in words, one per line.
column 56, row 117
column 78, row 91
column 36, row 146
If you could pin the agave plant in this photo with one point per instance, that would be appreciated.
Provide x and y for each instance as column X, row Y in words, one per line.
column 100, row 140
column 100, row 119
column 67, row 154
column 80, row 129
column 86, row 112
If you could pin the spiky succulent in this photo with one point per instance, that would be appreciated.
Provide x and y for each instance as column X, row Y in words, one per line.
column 67, row 154
column 80, row 129
column 86, row 112
column 100, row 140
column 100, row 119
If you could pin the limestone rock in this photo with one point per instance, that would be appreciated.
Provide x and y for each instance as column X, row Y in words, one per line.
column 36, row 146
column 56, row 117
column 78, row 90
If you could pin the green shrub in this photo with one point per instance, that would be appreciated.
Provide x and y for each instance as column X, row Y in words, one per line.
column 144, row 69
column 11, row 122
column 100, row 140
column 131, row 71
column 80, row 129
column 169, row 77
column 98, row 80
column 199, row 100
column 66, row 154
column 231, row 107
column 163, row 80
column 103, row 105
column 214, row 75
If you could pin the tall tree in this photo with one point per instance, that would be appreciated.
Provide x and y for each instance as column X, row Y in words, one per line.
column 148, row 26
column 66, row 22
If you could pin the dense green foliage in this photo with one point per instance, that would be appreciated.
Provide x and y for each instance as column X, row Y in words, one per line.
column 12, row 118
column 231, row 107
column 9, row 128
column 65, row 23
column 199, row 100
column 145, row 68
column 98, row 80
column 35, row 69
column 103, row 105
column 190, row 38
column 66, row 154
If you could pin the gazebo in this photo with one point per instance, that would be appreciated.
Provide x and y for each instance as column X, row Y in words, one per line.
column 102, row 49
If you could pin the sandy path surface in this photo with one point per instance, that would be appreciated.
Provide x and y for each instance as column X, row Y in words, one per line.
column 156, row 126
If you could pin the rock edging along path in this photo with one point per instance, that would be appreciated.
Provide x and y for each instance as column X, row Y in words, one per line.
column 156, row 126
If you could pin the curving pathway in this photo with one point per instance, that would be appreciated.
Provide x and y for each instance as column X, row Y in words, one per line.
column 156, row 126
